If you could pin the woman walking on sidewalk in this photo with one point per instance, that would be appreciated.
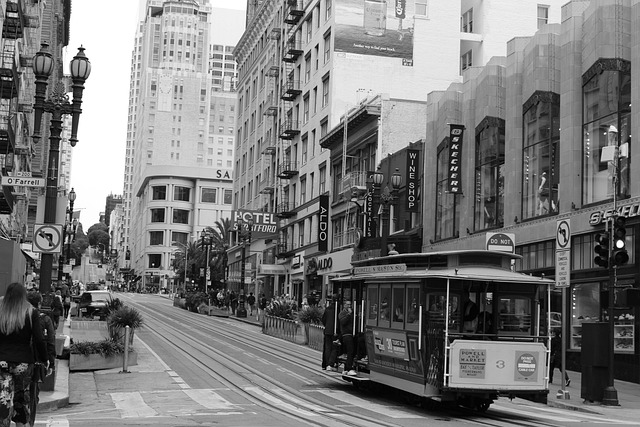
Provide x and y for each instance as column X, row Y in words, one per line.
column 19, row 327
column 50, row 339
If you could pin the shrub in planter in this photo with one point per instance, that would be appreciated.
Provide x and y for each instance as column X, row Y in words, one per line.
column 194, row 299
column 280, row 308
column 92, row 355
column 311, row 314
column 104, row 348
column 121, row 318
column 113, row 305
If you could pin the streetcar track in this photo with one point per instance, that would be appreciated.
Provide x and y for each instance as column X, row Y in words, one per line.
column 265, row 397
column 304, row 360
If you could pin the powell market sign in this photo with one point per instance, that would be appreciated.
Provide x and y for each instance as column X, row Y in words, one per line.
column 628, row 211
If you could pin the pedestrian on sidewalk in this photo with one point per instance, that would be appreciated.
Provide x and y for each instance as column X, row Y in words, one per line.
column 66, row 298
column 251, row 300
column 262, row 306
column 233, row 298
column 556, row 358
column 19, row 327
column 56, row 309
column 49, row 334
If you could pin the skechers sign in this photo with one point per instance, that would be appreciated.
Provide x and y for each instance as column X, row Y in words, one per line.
column 628, row 211
column 455, row 152
column 264, row 223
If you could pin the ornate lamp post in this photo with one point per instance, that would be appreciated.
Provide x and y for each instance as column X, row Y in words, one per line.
column 206, row 242
column 58, row 105
column 386, row 197
column 244, row 233
column 70, row 227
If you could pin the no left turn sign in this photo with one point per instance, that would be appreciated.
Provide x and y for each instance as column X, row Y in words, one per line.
column 47, row 238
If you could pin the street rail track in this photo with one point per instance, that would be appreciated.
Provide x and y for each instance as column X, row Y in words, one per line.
column 198, row 329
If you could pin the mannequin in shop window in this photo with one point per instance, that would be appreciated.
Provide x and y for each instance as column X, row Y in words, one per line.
column 543, row 195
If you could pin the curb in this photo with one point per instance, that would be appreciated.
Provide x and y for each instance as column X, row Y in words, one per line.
column 561, row 405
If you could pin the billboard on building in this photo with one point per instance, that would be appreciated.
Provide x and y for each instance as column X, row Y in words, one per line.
column 264, row 224
column 375, row 27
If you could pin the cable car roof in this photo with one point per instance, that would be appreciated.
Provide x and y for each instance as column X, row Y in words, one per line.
column 477, row 273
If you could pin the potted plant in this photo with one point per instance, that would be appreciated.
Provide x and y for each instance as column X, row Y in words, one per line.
column 92, row 355
column 119, row 319
column 309, row 315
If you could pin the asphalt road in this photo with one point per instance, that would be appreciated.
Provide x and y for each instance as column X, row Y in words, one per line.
column 196, row 370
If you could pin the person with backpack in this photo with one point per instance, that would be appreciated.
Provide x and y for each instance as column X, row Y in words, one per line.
column 251, row 300
column 49, row 334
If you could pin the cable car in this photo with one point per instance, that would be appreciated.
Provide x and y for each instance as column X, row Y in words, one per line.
column 455, row 326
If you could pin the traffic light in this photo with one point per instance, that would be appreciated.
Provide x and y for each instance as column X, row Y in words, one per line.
column 620, row 255
column 602, row 249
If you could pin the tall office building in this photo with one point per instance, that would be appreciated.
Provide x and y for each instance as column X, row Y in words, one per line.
column 180, row 136
column 304, row 64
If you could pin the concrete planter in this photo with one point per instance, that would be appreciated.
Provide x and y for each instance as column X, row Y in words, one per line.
column 94, row 362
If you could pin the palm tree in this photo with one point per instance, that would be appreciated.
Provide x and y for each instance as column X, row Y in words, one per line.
column 218, row 256
column 191, row 250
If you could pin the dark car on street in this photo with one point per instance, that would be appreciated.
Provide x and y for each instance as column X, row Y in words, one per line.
column 94, row 304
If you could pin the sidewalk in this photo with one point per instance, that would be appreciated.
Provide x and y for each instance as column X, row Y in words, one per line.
column 59, row 397
column 628, row 398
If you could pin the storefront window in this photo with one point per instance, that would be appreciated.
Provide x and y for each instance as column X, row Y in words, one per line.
column 541, row 135
column 489, row 174
column 607, row 126
column 585, row 307
column 447, row 208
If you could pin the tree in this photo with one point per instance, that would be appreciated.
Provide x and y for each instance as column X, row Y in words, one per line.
column 220, row 245
column 192, row 252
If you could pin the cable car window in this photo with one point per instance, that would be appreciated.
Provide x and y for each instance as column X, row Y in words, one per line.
column 398, row 306
column 515, row 315
column 413, row 307
column 372, row 305
column 385, row 307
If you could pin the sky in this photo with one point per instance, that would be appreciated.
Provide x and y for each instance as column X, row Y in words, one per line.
column 106, row 30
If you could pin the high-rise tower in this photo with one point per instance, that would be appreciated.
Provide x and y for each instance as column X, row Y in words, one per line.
column 179, row 150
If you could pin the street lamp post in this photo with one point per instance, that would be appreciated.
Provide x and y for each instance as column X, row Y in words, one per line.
column 206, row 241
column 70, row 228
column 244, row 231
column 387, row 198
column 58, row 105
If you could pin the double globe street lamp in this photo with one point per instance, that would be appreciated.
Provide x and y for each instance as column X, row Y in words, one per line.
column 58, row 106
column 68, row 234
column 244, row 233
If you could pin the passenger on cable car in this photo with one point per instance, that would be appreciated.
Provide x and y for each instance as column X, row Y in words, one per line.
column 384, row 309
column 469, row 312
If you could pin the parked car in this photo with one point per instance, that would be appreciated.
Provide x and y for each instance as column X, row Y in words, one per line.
column 94, row 304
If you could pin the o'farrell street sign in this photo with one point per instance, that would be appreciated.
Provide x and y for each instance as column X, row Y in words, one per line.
column 23, row 182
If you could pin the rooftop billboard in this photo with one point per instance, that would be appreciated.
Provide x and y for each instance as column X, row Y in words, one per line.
column 375, row 27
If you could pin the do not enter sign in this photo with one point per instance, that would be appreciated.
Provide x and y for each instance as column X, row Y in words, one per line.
column 504, row 242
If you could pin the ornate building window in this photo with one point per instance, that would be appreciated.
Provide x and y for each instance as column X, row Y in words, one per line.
column 489, row 174
column 606, row 94
column 541, row 136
